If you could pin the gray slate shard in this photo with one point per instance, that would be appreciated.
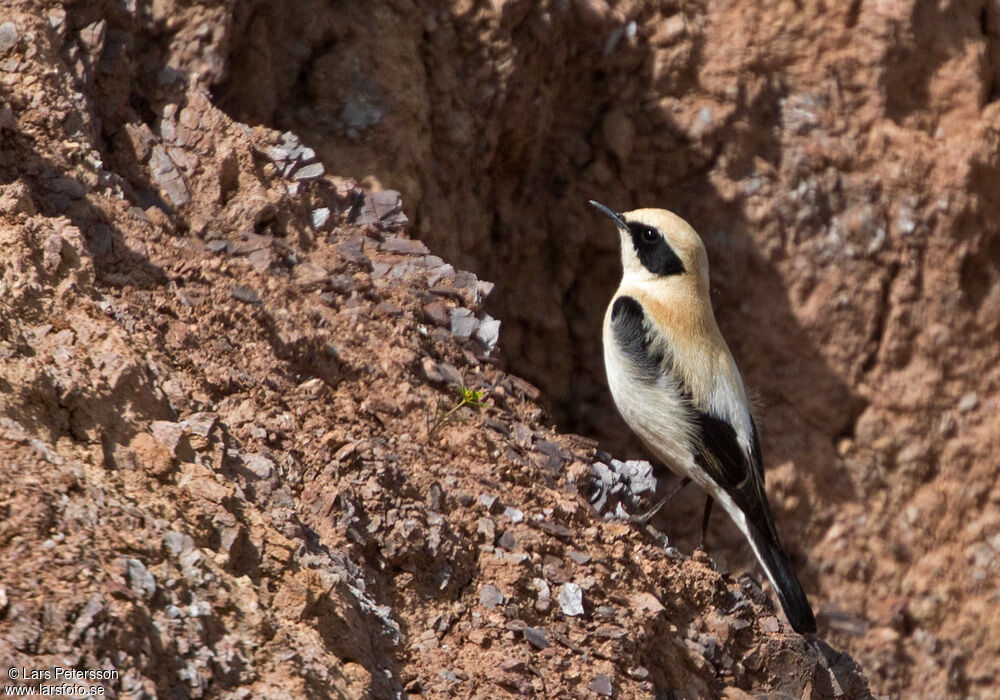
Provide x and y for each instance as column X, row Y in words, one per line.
column 384, row 208
column 404, row 246
column 244, row 294
column 314, row 171
column 488, row 332
column 9, row 37
column 490, row 596
column 463, row 323
column 536, row 637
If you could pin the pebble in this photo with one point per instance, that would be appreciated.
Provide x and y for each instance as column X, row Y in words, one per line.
column 139, row 579
column 8, row 36
column 580, row 558
column 352, row 250
column 508, row 541
column 536, row 637
column 436, row 312
column 490, row 596
column 241, row 293
column 320, row 217
column 488, row 332
column 313, row 171
column 463, row 323
column 258, row 465
column 968, row 402
column 570, row 599
column 601, row 685
column 544, row 598
column 404, row 246
column 769, row 625
column 513, row 514
column 167, row 177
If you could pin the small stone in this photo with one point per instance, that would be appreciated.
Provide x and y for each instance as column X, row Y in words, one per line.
column 241, row 293
column 139, row 579
column 57, row 20
column 352, row 250
column 513, row 514
column 436, row 312
column 601, row 685
column 259, row 465
column 309, row 276
column 490, row 596
column 535, row 637
column 570, row 599
column 488, row 332
column 9, row 36
column 449, row 373
column 508, row 541
column 488, row 529
column 386, row 203
column 639, row 673
column 313, row 171
column 463, row 323
column 168, row 177
column 404, row 246
column 769, row 624
column 968, row 402
column 320, row 217
column 610, row 632
column 580, row 558
column 646, row 603
column 544, row 598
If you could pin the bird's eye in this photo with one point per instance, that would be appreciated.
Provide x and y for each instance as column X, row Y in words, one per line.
column 649, row 235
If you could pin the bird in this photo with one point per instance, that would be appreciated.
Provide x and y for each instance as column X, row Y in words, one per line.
column 676, row 384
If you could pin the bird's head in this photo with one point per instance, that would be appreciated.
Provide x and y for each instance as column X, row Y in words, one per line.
column 660, row 250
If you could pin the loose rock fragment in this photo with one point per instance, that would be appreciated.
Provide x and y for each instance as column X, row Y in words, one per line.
column 320, row 217
column 601, row 685
column 488, row 332
column 544, row 599
column 404, row 246
column 258, row 465
column 9, row 36
column 139, row 579
column 241, row 293
column 490, row 596
column 313, row 171
column 536, row 637
column 463, row 323
column 570, row 599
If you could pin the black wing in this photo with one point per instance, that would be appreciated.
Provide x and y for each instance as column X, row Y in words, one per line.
column 740, row 474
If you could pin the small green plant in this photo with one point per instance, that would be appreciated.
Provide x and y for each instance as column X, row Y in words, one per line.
column 467, row 397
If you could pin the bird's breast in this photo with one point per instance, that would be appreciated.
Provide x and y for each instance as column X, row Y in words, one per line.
column 654, row 406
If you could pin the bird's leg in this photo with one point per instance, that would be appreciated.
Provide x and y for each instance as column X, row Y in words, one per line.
column 704, row 520
column 648, row 515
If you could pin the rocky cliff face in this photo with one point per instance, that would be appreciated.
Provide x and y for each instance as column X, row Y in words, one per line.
column 237, row 460
column 222, row 368
column 840, row 161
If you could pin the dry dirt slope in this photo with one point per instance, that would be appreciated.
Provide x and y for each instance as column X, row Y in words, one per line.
column 841, row 161
column 219, row 373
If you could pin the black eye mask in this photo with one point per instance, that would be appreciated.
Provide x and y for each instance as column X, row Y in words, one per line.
column 654, row 252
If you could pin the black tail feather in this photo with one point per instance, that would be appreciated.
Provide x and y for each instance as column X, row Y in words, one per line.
column 779, row 570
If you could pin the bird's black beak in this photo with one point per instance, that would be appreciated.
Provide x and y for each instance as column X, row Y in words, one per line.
column 618, row 218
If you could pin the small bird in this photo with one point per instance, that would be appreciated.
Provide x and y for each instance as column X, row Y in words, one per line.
column 676, row 384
